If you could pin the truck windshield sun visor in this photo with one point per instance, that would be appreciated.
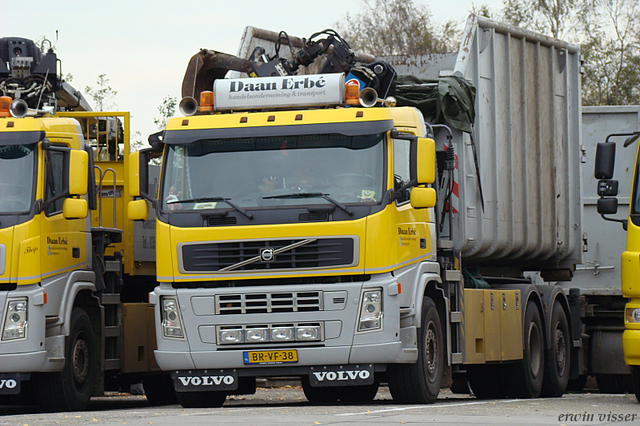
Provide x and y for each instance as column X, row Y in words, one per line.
column 181, row 137
column 21, row 138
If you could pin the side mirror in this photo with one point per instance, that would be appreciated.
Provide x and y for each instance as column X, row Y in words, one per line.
column 422, row 198
column 607, row 205
column 138, row 210
column 75, row 208
column 78, row 176
column 424, row 161
column 605, row 160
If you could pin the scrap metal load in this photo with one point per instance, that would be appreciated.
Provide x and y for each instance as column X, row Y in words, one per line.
column 331, row 54
column 28, row 75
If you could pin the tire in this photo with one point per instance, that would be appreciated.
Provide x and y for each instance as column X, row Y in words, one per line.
column 557, row 362
column 420, row 383
column 71, row 389
column 201, row 399
column 159, row 390
column 486, row 381
column 526, row 375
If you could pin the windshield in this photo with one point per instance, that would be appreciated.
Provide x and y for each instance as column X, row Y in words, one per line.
column 274, row 171
column 16, row 177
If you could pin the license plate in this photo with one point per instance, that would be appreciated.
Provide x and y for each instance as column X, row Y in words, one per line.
column 271, row 357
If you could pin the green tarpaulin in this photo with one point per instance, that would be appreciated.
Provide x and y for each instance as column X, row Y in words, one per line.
column 449, row 99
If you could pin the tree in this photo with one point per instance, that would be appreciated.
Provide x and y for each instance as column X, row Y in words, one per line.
column 397, row 27
column 103, row 95
column 166, row 109
column 611, row 53
column 608, row 32
column 557, row 18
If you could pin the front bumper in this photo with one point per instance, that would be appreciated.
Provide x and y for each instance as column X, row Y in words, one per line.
column 341, row 344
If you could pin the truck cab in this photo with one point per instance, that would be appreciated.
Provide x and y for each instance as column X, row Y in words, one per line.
column 272, row 224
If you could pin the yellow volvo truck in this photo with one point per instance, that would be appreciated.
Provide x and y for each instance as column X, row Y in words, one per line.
column 347, row 241
column 630, row 263
column 73, row 299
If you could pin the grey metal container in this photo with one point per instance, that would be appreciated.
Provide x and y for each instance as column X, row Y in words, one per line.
column 527, row 140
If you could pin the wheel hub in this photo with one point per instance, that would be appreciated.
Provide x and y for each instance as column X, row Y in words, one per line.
column 80, row 359
column 561, row 351
column 431, row 349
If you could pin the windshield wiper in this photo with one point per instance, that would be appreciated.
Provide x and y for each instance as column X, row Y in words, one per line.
column 311, row 195
column 210, row 199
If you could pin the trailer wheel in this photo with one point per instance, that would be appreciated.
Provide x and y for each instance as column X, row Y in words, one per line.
column 71, row 389
column 526, row 375
column 420, row 383
column 558, row 356
column 201, row 399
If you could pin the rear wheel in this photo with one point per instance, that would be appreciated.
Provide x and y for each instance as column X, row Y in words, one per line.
column 71, row 389
column 201, row 399
column 420, row 383
column 526, row 375
column 558, row 356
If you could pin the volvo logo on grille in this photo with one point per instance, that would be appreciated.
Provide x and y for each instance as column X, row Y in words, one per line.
column 266, row 255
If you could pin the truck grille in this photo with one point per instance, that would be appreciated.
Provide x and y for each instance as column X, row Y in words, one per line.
column 246, row 255
column 260, row 303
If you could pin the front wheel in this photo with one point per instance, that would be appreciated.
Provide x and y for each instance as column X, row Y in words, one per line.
column 71, row 389
column 420, row 383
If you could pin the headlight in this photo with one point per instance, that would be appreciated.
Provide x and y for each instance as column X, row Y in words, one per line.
column 371, row 311
column 633, row 315
column 171, row 323
column 15, row 319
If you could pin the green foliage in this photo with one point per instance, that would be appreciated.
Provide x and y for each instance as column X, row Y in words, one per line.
column 166, row 109
column 608, row 32
column 392, row 27
column 556, row 18
column 611, row 50
column 103, row 95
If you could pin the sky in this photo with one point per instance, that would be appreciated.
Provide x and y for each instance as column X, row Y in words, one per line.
column 144, row 47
